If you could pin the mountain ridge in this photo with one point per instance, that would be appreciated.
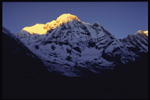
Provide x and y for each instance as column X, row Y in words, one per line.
column 76, row 45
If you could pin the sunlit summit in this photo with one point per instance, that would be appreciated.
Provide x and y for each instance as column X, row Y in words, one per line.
column 43, row 28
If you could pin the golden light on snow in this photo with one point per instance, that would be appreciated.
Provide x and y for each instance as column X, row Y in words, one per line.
column 37, row 28
column 43, row 28
column 146, row 32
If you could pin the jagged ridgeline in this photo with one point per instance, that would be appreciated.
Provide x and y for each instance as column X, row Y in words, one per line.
column 70, row 47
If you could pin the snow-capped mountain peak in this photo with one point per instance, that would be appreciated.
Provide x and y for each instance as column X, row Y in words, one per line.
column 146, row 32
column 64, row 18
column 44, row 28
column 142, row 32
column 66, row 45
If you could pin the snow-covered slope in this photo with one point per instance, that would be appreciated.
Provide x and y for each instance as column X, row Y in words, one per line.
column 73, row 45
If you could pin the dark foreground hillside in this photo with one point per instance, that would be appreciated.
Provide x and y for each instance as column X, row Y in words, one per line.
column 129, row 82
column 26, row 78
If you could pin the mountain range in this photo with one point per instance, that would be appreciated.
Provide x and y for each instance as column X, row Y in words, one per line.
column 71, row 59
column 70, row 47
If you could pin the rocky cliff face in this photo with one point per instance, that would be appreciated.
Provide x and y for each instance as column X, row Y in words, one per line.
column 69, row 45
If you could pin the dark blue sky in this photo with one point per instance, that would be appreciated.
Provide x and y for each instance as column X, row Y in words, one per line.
column 119, row 18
